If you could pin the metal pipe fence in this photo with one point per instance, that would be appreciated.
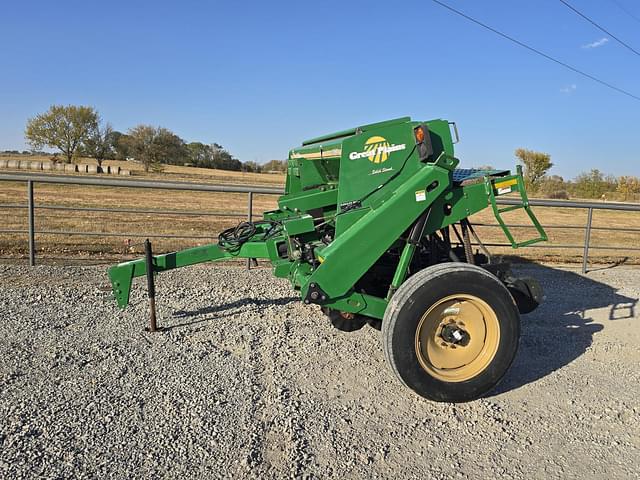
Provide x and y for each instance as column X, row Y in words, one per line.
column 32, row 179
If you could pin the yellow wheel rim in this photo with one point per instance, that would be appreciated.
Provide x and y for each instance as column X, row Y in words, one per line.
column 457, row 338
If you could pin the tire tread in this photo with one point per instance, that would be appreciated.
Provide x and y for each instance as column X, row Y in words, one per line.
column 404, row 293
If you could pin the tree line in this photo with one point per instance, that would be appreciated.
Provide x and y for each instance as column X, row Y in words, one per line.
column 79, row 131
column 593, row 184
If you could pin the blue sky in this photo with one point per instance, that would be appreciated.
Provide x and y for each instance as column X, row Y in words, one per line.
column 259, row 77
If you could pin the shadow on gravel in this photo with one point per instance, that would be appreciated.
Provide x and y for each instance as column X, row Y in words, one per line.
column 560, row 330
column 249, row 304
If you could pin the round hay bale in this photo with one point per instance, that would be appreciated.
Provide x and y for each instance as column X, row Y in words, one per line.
column 59, row 167
column 82, row 168
column 47, row 166
column 13, row 163
column 125, row 172
column 24, row 164
column 92, row 169
column 34, row 165
column 114, row 170
column 70, row 168
column 3, row 162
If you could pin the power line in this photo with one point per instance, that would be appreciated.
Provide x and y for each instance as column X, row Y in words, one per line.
column 600, row 27
column 538, row 52
column 625, row 10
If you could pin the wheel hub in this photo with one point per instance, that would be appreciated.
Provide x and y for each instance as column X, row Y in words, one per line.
column 453, row 334
column 457, row 338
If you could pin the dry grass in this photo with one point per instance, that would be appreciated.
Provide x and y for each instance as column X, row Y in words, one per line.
column 558, row 223
column 108, row 222
column 172, row 172
column 51, row 246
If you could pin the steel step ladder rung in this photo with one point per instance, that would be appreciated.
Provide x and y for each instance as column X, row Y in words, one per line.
column 518, row 182
column 510, row 208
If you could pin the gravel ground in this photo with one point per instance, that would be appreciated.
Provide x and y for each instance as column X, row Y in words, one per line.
column 247, row 382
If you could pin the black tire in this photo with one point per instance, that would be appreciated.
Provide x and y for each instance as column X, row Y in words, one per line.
column 420, row 294
column 345, row 322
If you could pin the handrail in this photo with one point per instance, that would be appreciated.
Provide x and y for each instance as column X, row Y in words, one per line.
column 631, row 207
column 31, row 179
column 230, row 188
column 110, row 182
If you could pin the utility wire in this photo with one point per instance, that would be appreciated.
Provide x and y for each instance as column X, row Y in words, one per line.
column 625, row 10
column 538, row 52
column 600, row 27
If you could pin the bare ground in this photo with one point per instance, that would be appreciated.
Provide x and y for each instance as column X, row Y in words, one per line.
column 247, row 382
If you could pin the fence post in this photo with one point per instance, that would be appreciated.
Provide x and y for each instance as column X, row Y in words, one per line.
column 32, row 243
column 249, row 219
column 587, row 238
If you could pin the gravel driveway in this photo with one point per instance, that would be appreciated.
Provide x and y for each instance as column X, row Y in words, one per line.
column 247, row 382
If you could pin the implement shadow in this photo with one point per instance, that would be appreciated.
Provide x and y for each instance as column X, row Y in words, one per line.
column 560, row 330
column 212, row 312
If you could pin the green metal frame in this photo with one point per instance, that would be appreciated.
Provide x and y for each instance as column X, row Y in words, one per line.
column 122, row 274
column 520, row 188
column 371, row 184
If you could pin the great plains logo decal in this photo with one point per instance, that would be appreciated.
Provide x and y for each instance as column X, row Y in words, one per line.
column 377, row 150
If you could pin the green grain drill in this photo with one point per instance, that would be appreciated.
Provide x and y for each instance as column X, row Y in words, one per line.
column 373, row 228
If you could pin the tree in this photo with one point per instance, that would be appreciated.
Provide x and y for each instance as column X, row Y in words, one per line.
column 63, row 127
column 174, row 148
column 222, row 159
column 536, row 166
column 275, row 166
column 100, row 144
column 628, row 186
column 593, row 184
column 199, row 154
column 553, row 186
column 121, row 145
column 212, row 156
column 251, row 167
column 154, row 146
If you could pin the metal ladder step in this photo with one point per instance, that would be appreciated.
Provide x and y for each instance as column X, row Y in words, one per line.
column 516, row 183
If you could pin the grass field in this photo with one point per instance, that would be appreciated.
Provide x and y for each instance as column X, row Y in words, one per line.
column 558, row 223
column 54, row 246
column 99, row 247
column 172, row 172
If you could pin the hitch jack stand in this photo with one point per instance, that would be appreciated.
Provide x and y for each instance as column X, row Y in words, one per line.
column 151, row 287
